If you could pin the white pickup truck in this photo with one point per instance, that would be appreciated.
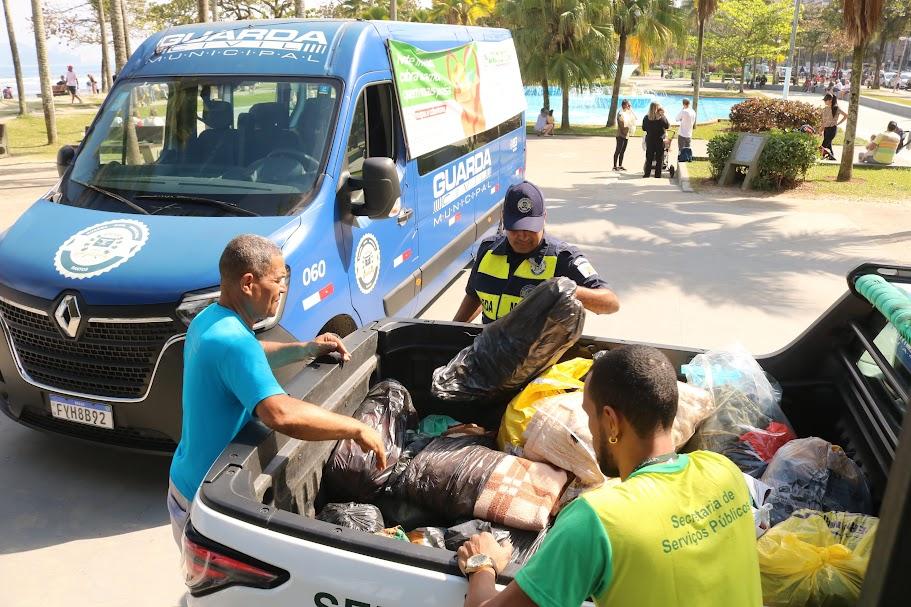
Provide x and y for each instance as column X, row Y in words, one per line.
column 253, row 538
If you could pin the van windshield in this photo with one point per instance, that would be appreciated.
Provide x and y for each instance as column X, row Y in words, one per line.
column 209, row 146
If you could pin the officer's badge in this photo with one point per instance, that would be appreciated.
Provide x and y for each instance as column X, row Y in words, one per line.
column 537, row 267
column 524, row 205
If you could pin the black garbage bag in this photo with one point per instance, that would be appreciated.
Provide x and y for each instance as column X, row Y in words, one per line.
column 401, row 512
column 524, row 543
column 512, row 350
column 363, row 517
column 813, row 473
column 351, row 474
column 447, row 476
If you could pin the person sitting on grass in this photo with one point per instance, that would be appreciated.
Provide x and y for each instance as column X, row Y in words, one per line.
column 881, row 150
column 541, row 125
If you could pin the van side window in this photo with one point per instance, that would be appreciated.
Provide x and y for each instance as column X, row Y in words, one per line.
column 372, row 127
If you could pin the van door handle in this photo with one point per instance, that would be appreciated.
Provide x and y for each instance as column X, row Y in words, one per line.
column 404, row 216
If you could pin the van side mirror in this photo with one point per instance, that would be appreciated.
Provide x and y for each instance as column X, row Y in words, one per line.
column 65, row 157
column 380, row 182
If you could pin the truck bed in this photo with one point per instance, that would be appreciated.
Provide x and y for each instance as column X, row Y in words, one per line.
column 271, row 481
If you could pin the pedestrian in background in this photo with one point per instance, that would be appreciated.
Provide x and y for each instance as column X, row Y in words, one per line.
column 687, row 120
column 72, row 85
column 655, row 125
column 832, row 116
column 93, row 84
column 626, row 125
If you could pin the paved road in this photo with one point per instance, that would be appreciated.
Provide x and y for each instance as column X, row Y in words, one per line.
column 80, row 525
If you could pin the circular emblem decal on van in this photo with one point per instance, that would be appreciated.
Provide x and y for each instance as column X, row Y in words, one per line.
column 367, row 263
column 100, row 248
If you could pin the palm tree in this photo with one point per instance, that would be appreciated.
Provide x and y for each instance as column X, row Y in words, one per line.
column 657, row 24
column 861, row 20
column 17, row 67
column 119, row 35
column 568, row 41
column 44, row 71
column 105, row 53
column 202, row 11
column 704, row 10
column 461, row 12
column 124, row 20
column 298, row 8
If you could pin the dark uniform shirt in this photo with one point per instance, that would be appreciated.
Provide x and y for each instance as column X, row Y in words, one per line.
column 501, row 278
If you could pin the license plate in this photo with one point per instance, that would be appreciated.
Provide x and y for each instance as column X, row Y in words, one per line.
column 82, row 412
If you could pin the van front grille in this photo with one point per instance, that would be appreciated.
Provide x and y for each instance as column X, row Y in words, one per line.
column 108, row 360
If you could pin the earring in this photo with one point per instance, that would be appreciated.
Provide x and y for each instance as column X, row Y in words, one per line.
column 612, row 440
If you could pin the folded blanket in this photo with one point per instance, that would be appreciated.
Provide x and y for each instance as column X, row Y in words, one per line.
column 520, row 493
column 558, row 434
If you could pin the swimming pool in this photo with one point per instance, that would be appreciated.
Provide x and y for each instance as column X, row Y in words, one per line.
column 591, row 107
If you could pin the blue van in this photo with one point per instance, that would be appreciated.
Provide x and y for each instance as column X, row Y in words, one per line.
column 289, row 129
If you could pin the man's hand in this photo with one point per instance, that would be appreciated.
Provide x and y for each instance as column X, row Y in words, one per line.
column 368, row 440
column 485, row 543
column 327, row 343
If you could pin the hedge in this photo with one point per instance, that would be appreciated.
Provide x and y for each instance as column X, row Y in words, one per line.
column 760, row 114
column 784, row 162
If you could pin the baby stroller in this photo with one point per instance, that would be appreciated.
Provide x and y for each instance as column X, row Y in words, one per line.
column 666, row 164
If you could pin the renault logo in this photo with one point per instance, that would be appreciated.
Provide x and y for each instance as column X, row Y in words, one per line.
column 68, row 316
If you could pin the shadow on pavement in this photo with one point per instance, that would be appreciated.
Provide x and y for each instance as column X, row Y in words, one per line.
column 58, row 490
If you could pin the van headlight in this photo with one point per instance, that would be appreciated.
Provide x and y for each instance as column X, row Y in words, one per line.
column 197, row 301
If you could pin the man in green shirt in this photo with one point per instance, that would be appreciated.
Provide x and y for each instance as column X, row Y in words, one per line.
column 678, row 529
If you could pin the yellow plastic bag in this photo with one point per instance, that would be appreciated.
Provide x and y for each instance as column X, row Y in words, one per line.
column 816, row 559
column 562, row 377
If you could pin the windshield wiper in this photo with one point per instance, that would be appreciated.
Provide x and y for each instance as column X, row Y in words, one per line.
column 116, row 197
column 221, row 204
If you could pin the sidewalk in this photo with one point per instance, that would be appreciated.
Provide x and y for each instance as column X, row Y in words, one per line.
column 696, row 270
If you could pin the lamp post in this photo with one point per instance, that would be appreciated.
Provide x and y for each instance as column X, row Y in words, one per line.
column 789, row 64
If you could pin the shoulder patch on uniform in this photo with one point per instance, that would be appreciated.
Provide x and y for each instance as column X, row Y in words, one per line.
column 585, row 267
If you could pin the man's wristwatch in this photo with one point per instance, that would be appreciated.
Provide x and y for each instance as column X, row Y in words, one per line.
column 476, row 562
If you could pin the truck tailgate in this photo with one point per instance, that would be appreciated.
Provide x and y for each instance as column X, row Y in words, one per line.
column 323, row 576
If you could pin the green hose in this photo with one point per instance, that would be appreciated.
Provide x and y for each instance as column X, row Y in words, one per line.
column 894, row 303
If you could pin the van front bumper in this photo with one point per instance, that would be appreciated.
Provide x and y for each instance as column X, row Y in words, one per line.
column 118, row 358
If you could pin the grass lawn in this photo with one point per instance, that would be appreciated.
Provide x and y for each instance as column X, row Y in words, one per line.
column 27, row 136
column 893, row 99
column 867, row 183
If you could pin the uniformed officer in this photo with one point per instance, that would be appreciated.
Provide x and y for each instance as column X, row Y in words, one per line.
column 508, row 267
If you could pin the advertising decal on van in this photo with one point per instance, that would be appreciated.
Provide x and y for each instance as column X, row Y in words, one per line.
column 100, row 248
column 449, row 95
column 367, row 263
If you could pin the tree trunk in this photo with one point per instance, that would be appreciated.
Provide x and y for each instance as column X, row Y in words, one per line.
column 120, row 47
column 698, row 77
column 743, row 73
column 215, row 15
column 17, row 67
column 105, row 52
column 812, row 59
column 564, row 119
column 44, row 71
column 774, row 67
column 618, row 74
column 753, row 77
column 299, row 10
column 126, row 29
column 202, row 11
column 847, row 152
column 545, row 87
column 879, row 61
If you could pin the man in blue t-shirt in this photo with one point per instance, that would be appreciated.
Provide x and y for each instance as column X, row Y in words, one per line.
column 228, row 378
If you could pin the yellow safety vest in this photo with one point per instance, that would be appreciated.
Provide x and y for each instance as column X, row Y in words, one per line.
column 499, row 291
